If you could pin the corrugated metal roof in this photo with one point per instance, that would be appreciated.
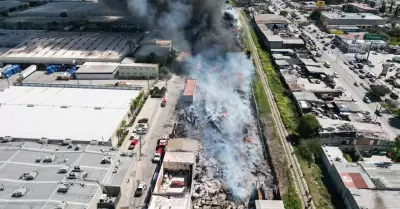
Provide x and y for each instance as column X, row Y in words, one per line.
column 190, row 86
column 269, row 204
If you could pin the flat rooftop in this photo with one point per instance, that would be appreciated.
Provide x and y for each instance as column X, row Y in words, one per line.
column 190, row 87
column 59, row 113
column 344, row 15
column 70, row 47
column 97, row 67
column 270, row 19
column 161, row 202
column 42, row 191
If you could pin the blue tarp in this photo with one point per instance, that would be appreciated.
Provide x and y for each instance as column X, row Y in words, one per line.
column 52, row 69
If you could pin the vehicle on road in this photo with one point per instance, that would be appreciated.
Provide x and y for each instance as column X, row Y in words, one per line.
column 324, row 48
column 372, row 80
column 361, row 71
column 133, row 144
column 157, row 155
column 141, row 128
column 362, row 76
column 394, row 96
column 378, row 113
column 333, row 46
column 140, row 189
column 356, row 84
column 327, row 64
column 134, row 136
column 352, row 68
column 163, row 102
column 367, row 100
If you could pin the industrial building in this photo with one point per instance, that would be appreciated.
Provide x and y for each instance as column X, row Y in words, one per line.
column 97, row 71
column 76, row 112
column 175, row 179
column 68, row 10
column 71, row 48
column 274, row 32
column 355, row 43
column 153, row 50
column 358, row 7
column 269, row 204
column 361, row 20
column 370, row 184
column 113, row 70
column 189, row 91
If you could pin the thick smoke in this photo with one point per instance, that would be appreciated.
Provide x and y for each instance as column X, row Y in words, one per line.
column 222, row 112
column 193, row 25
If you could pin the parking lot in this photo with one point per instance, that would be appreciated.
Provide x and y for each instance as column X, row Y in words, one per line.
column 17, row 158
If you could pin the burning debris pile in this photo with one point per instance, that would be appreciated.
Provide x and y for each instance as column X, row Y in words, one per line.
column 231, row 162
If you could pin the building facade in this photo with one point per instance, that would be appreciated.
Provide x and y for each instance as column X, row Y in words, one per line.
column 361, row 20
column 137, row 70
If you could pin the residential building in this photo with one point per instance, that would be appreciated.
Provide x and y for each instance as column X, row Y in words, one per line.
column 356, row 43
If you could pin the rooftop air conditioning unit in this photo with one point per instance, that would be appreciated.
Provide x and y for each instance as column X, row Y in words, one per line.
column 98, row 108
column 343, row 15
column 363, row 16
column 30, row 105
column 64, row 106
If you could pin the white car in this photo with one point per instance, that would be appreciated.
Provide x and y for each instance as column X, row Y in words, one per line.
column 157, row 157
column 140, row 189
column 356, row 84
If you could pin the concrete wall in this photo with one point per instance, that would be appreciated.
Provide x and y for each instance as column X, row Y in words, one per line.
column 137, row 71
column 95, row 76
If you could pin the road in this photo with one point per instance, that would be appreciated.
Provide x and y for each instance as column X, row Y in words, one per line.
column 300, row 184
column 161, row 121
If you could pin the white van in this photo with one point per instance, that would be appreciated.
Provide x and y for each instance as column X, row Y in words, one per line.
column 327, row 64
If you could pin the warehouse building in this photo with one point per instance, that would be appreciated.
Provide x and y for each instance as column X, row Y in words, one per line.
column 77, row 112
column 189, row 91
column 97, row 71
column 137, row 71
column 361, row 20
column 72, row 48
column 274, row 32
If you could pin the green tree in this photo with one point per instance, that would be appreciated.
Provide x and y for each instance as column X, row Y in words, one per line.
column 123, row 124
column 396, row 12
column 391, row 6
column 383, row 7
column 377, row 91
column 315, row 15
column 308, row 126
column 396, row 150
column 284, row 13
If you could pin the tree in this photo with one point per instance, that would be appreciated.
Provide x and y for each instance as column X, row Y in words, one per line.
column 396, row 150
column 396, row 12
column 309, row 149
column 123, row 124
column 372, row 4
column 383, row 7
column 284, row 13
column 308, row 126
column 391, row 6
column 315, row 15
column 377, row 91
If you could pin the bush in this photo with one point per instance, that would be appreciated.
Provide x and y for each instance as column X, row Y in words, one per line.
column 308, row 126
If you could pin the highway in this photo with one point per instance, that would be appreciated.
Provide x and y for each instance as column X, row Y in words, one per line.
column 300, row 184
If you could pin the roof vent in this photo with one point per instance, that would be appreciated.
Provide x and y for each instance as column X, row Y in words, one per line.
column 98, row 108
column 64, row 106
column 30, row 105
column 343, row 15
column 363, row 16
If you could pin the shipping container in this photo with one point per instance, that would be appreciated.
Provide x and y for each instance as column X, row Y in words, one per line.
column 10, row 70
column 28, row 71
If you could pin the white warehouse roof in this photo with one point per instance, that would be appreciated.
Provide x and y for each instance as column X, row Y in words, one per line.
column 60, row 113
column 67, row 47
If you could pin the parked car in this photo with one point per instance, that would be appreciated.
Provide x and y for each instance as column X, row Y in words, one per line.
column 133, row 144
column 372, row 80
column 140, row 189
column 367, row 100
column 157, row 155
column 394, row 96
column 362, row 76
column 356, row 84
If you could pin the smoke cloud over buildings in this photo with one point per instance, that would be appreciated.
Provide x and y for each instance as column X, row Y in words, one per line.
column 222, row 108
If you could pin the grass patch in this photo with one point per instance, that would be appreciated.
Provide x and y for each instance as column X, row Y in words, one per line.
column 231, row 2
column 262, row 100
column 291, row 200
column 394, row 40
column 313, row 176
column 347, row 157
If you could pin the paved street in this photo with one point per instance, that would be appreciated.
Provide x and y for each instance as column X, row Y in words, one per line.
column 161, row 121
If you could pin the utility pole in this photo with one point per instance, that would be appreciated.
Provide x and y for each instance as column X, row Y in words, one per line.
column 140, row 146
column 148, row 83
